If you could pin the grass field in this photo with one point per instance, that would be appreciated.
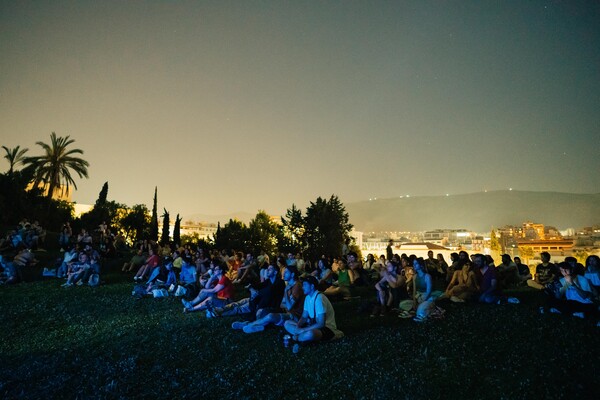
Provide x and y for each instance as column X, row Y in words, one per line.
column 100, row 342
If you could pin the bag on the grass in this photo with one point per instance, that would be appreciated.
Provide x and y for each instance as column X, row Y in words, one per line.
column 139, row 291
column 158, row 293
column 181, row 291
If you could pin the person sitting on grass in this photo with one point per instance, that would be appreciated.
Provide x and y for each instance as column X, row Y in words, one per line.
column 77, row 271
column 247, row 271
column 84, row 237
column 218, row 296
column 574, row 296
column 358, row 276
column 317, row 322
column 524, row 274
column 341, row 287
column 463, row 285
column 64, row 239
column 8, row 272
column 432, row 265
column 545, row 273
column 292, row 303
column 487, row 281
column 265, row 297
column 324, row 274
column 136, row 261
column 592, row 273
column 453, row 266
column 423, row 295
column 389, row 289
column 507, row 272
column 94, row 269
column 149, row 265
column 24, row 258
column 578, row 268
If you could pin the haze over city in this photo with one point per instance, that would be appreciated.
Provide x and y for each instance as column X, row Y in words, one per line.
column 240, row 106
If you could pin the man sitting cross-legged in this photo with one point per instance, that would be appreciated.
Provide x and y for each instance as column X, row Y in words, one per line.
column 293, row 303
column 318, row 317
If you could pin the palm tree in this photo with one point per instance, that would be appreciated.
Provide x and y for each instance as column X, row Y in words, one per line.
column 54, row 167
column 14, row 157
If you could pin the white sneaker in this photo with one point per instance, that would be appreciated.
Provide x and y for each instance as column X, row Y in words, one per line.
column 555, row 311
column 578, row 315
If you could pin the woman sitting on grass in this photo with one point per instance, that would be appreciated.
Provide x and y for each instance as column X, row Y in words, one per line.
column 423, row 295
column 463, row 285
column 324, row 274
column 389, row 289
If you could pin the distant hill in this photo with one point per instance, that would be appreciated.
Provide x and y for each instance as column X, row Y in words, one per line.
column 223, row 219
column 476, row 211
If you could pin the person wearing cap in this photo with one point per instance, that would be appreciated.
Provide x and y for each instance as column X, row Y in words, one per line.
column 318, row 317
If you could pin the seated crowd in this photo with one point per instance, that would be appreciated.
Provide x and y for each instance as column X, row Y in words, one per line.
column 80, row 260
column 295, row 294
column 288, row 292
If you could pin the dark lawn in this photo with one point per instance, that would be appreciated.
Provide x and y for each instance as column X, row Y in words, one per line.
column 100, row 342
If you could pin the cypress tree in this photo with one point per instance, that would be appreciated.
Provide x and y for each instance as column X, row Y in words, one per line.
column 177, row 231
column 154, row 219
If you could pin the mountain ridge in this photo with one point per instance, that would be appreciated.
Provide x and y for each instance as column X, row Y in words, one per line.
column 478, row 211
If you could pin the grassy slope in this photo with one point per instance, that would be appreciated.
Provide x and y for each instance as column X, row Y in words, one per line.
column 102, row 343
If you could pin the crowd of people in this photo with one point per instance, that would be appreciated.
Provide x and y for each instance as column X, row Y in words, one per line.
column 80, row 260
column 295, row 294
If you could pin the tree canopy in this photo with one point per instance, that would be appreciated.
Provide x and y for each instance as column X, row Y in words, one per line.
column 54, row 168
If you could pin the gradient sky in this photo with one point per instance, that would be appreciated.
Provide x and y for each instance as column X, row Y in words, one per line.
column 232, row 106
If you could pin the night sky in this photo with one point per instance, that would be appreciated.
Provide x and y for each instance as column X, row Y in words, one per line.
column 246, row 105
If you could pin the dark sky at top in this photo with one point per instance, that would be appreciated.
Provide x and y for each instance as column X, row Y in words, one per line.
column 247, row 105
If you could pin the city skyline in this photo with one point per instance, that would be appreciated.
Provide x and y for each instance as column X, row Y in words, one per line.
column 244, row 106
